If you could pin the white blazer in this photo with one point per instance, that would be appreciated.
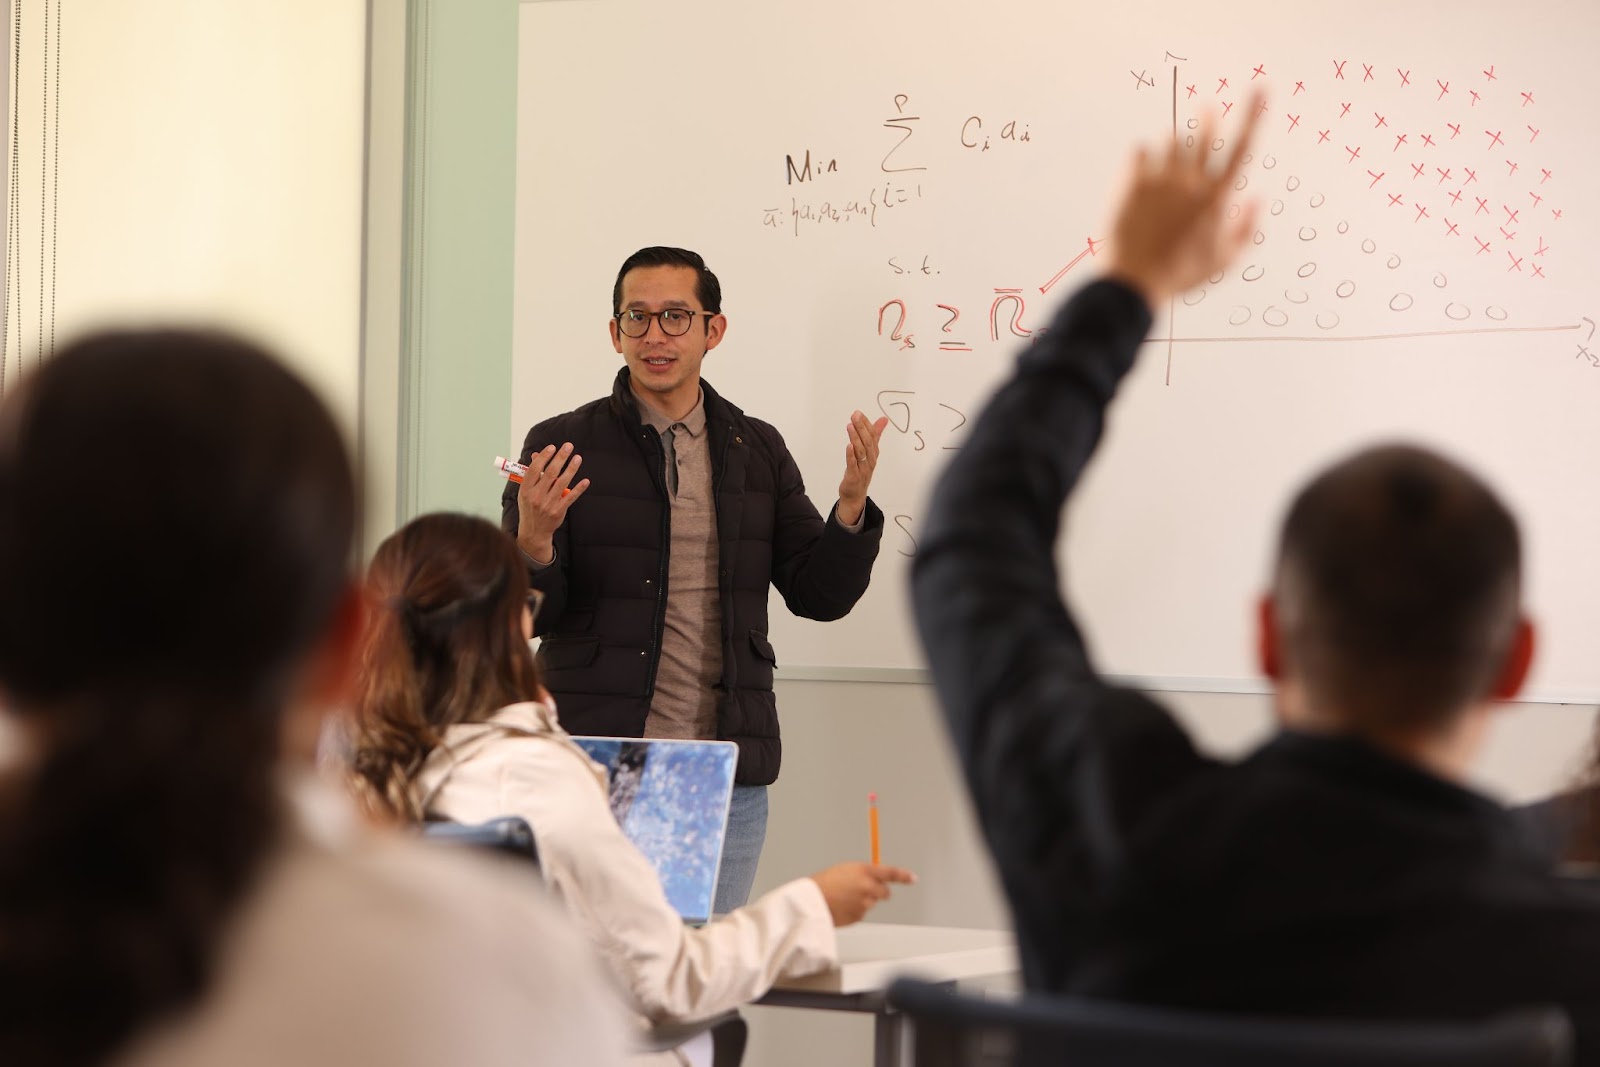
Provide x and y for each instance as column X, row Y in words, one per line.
column 521, row 762
column 364, row 947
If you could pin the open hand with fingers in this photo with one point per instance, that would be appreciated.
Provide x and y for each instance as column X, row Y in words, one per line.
column 546, row 493
column 1171, row 230
column 860, row 460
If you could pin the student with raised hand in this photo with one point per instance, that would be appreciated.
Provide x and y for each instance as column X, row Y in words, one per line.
column 454, row 723
column 1345, row 868
column 175, row 887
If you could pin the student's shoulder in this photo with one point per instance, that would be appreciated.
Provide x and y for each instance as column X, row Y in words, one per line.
column 414, row 953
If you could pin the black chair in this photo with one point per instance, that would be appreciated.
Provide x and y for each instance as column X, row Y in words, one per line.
column 952, row 1030
column 512, row 835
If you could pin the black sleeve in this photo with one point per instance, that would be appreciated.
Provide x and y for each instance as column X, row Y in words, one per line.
column 819, row 568
column 1060, row 764
column 551, row 580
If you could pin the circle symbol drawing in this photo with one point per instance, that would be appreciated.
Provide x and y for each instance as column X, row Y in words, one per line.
column 1307, row 270
column 1400, row 302
column 1458, row 312
column 1253, row 272
column 1275, row 317
column 1346, row 289
column 1239, row 315
column 1496, row 313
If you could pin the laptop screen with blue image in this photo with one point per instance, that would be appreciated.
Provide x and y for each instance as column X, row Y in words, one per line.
column 671, row 799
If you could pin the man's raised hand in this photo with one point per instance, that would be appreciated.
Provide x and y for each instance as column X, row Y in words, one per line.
column 860, row 460
column 544, row 497
column 1171, row 229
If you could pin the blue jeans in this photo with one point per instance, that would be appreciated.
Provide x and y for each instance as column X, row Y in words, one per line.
column 741, row 849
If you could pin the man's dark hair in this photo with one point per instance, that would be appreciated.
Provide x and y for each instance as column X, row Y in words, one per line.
column 1398, row 588
column 707, row 289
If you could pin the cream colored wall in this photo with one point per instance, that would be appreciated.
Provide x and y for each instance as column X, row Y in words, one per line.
column 210, row 170
column 845, row 739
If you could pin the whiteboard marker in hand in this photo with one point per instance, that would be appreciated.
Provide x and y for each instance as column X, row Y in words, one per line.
column 513, row 472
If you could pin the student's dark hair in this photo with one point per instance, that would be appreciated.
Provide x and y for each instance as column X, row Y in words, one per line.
column 176, row 516
column 445, row 647
column 1398, row 585
column 707, row 289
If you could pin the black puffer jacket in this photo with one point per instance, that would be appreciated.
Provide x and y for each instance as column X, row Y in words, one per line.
column 606, row 597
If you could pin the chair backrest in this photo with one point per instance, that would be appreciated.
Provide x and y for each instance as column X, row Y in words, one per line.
column 952, row 1030
column 511, row 835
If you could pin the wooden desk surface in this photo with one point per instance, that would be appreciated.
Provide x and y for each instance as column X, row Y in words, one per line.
column 871, row 955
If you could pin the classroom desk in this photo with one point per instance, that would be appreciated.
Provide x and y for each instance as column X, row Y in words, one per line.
column 871, row 955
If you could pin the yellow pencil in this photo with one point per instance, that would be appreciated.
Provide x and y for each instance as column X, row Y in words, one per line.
column 872, row 821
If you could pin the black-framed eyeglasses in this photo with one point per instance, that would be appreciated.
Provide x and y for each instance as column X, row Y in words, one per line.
column 675, row 322
column 535, row 602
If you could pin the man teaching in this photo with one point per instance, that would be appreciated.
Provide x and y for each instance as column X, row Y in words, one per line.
column 655, row 564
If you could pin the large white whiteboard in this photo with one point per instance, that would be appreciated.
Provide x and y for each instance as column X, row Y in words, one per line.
column 1356, row 317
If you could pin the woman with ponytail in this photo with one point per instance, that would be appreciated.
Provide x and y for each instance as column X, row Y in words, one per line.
column 177, row 515
column 452, row 723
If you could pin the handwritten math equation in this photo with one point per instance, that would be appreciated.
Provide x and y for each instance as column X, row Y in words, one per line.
column 953, row 330
column 903, row 161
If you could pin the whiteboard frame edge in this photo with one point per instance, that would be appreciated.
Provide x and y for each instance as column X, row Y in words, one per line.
column 1237, row 686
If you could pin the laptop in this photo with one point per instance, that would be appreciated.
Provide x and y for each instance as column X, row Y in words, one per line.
column 671, row 799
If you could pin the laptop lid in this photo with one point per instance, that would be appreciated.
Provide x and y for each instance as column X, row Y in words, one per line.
column 671, row 799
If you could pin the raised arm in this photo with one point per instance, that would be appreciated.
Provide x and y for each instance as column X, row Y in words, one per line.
column 1061, row 766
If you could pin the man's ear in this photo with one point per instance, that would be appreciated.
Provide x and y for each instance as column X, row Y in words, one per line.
column 1269, row 646
column 716, row 328
column 616, row 336
column 329, row 679
column 1518, row 661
